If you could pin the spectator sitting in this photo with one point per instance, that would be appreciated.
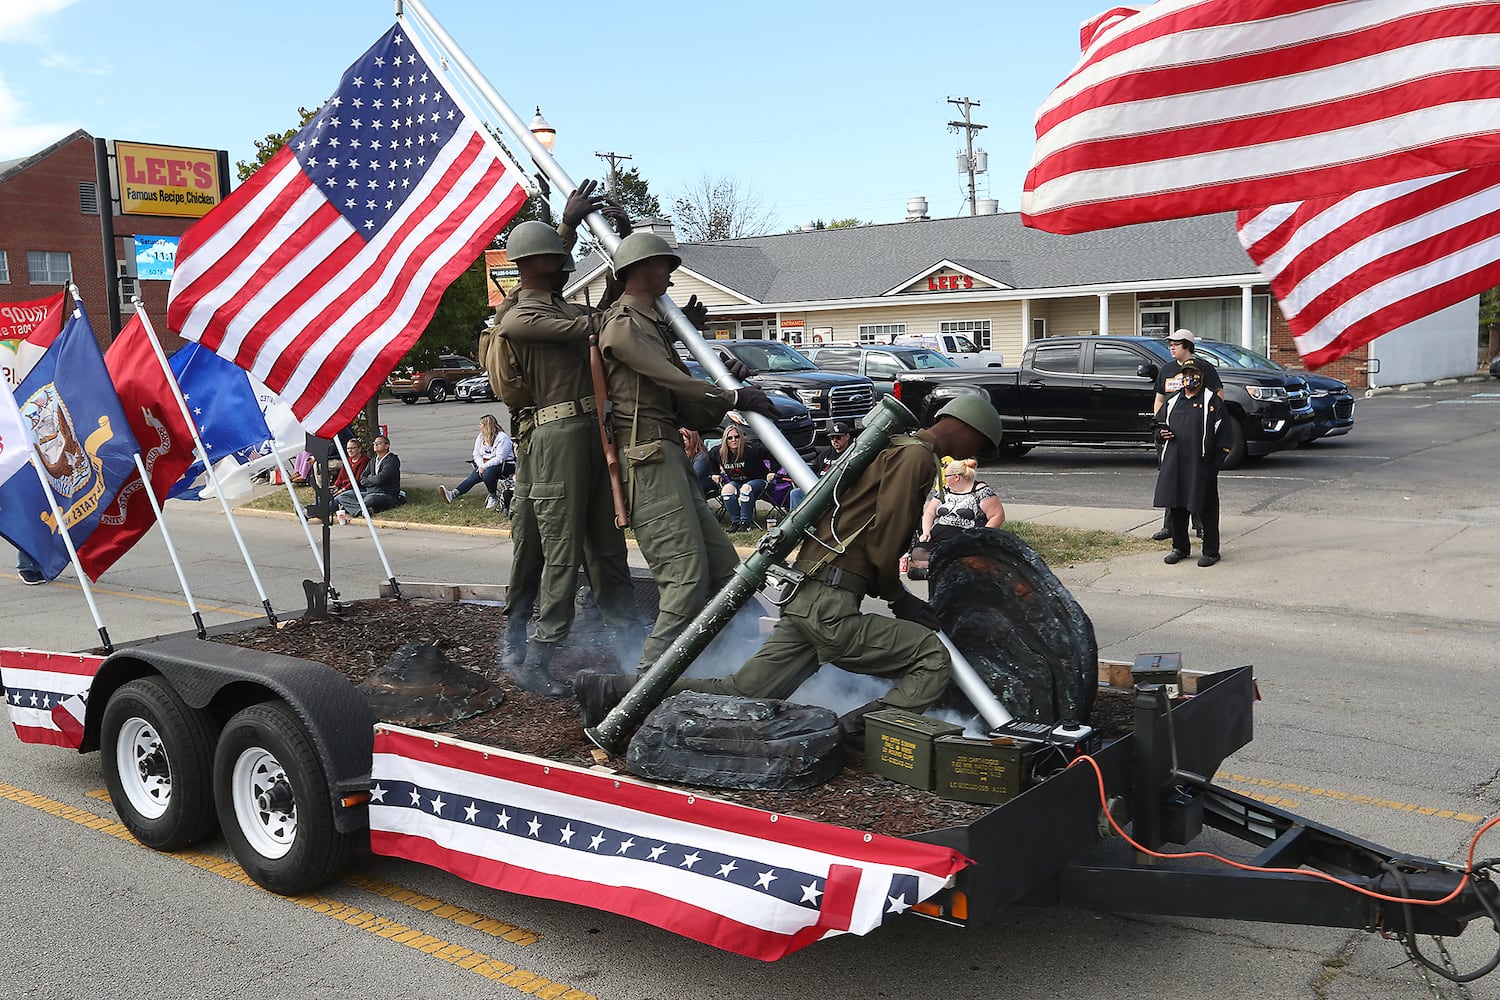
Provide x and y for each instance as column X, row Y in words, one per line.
column 961, row 504
column 698, row 458
column 743, row 472
column 302, row 469
column 839, row 437
column 380, row 482
column 494, row 460
column 347, row 476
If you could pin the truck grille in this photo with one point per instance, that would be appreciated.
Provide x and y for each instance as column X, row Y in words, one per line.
column 851, row 401
column 1343, row 409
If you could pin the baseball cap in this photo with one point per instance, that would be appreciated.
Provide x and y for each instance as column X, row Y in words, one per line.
column 1186, row 335
column 839, row 427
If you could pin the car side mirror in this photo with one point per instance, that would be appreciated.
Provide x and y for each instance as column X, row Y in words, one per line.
column 1147, row 370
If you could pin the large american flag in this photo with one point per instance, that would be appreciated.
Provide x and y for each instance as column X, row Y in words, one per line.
column 737, row 878
column 1189, row 107
column 320, row 272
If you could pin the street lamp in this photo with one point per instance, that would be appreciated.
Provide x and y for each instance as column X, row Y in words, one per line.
column 544, row 133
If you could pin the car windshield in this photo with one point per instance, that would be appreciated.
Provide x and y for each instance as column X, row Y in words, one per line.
column 1234, row 356
column 929, row 359
column 770, row 356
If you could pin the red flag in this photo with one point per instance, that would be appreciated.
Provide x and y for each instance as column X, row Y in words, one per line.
column 1191, row 107
column 165, row 440
column 27, row 329
column 1347, row 269
column 321, row 271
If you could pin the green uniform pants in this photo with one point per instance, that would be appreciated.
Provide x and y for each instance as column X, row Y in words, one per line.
column 823, row 624
column 690, row 556
column 526, row 547
column 576, row 519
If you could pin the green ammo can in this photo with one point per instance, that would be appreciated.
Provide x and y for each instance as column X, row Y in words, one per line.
column 898, row 745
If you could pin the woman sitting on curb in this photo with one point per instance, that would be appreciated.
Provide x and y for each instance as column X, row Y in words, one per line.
column 494, row 460
column 344, row 481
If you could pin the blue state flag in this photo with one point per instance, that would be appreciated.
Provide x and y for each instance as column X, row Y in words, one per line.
column 224, row 408
column 69, row 409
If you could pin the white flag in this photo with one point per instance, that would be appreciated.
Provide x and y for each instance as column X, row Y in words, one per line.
column 15, row 443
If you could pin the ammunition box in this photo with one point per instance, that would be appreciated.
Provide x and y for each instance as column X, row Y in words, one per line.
column 989, row 771
column 1158, row 668
column 898, row 745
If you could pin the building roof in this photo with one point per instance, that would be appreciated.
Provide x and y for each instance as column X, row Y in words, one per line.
column 869, row 261
column 10, row 167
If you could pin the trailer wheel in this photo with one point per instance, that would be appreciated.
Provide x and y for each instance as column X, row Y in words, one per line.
column 158, row 762
column 273, row 802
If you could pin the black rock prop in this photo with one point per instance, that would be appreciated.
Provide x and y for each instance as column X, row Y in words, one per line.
column 419, row 686
column 1020, row 629
column 719, row 741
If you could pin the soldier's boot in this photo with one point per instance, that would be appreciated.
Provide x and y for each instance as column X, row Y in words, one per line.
column 598, row 692
column 852, row 724
column 532, row 674
column 515, row 645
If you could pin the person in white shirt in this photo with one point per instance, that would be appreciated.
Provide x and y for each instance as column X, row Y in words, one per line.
column 494, row 460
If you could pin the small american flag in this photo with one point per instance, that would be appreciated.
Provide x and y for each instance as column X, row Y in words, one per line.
column 320, row 272
column 737, row 878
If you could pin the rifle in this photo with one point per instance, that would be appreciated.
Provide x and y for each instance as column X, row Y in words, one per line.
column 603, row 413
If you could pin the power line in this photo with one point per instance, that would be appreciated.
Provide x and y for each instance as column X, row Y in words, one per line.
column 969, row 128
column 613, row 159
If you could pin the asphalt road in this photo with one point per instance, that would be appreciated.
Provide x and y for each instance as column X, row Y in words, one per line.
column 1375, row 721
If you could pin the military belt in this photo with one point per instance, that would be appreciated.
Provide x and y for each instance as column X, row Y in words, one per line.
column 833, row 576
column 568, row 408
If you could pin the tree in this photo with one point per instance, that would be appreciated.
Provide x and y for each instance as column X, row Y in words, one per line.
column 847, row 223
column 719, row 208
column 267, row 147
column 1489, row 321
column 634, row 193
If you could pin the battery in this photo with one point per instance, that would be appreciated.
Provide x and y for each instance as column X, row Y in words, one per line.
column 898, row 745
column 977, row 770
column 1158, row 668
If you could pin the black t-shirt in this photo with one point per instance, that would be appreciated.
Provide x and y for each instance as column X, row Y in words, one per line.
column 1169, row 379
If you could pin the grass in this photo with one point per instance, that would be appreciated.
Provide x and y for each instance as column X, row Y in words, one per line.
column 1058, row 546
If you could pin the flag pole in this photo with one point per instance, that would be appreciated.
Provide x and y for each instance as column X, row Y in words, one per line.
column 161, row 522
column 213, row 477
column 286, row 477
column 359, row 495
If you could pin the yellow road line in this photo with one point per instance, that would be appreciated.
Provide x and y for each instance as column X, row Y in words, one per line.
column 1374, row 801
column 146, row 597
column 487, row 966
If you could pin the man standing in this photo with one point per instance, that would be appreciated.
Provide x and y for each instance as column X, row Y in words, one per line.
column 1196, row 434
column 653, row 395
column 1184, row 348
column 568, row 484
column 854, row 553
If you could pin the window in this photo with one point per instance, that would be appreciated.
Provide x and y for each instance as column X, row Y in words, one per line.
column 978, row 330
column 836, row 360
column 1060, row 358
column 752, row 329
column 48, row 267
column 880, row 333
column 4, row 268
column 880, row 365
column 1219, row 319
column 1111, row 359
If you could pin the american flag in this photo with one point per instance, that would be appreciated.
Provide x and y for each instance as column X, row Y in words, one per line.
column 737, row 878
column 1347, row 269
column 1190, row 107
column 320, row 272
column 45, row 694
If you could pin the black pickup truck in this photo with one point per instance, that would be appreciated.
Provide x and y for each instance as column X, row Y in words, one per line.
column 1099, row 391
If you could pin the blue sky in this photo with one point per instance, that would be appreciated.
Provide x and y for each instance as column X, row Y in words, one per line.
column 820, row 110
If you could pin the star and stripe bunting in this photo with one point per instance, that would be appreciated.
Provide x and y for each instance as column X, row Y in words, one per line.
column 45, row 694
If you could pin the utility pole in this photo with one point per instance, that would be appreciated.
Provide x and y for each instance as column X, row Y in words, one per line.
column 613, row 159
column 969, row 128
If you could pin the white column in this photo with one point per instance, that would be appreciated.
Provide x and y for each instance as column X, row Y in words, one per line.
column 1247, row 337
column 1104, row 313
column 1025, row 323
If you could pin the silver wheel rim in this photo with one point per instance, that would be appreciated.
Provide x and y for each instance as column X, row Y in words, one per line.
column 145, row 773
column 263, row 804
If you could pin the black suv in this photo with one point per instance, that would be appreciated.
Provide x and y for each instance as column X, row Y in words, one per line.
column 828, row 396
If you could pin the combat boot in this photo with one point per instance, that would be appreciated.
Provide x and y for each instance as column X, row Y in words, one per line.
column 852, row 724
column 597, row 693
column 532, row 675
column 515, row 645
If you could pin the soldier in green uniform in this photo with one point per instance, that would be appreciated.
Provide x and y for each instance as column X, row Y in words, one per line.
column 653, row 395
column 854, row 552
column 568, row 485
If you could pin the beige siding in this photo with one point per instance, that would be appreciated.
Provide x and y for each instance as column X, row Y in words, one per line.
column 683, row 286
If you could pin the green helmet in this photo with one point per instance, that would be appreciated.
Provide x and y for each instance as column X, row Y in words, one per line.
column 642, row 246
column 977, row 412
column 570, row 265
column 532, row 239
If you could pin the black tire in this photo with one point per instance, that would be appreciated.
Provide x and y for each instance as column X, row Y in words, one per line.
column 158, row 764
column 1013, row 451
column 1236, row 445
column 437, row 391
column 273, row 802
column 408, row 400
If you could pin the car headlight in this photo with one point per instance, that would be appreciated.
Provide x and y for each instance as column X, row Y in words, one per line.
column 810, row 397
column 1267, row 392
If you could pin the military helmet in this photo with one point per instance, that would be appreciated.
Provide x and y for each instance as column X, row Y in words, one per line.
column 532, row 239
column 977, row 412
column 570, row 265
column 642, row 246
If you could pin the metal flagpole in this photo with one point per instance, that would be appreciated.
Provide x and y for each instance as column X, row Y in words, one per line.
column 161, row 522
column 770, row 435
column 286, row 477
column 213, row 477
column 359, row 495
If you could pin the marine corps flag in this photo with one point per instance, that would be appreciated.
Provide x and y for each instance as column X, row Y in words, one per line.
column 166, row 447
column 85, row 443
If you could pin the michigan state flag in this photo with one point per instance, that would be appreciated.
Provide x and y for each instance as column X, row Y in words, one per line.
column 71, row 412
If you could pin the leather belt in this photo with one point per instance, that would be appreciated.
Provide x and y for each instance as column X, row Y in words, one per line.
column 560, row 411
column 834, row 576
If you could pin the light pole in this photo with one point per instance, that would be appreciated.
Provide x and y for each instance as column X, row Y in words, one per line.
column 969, row 128
column 545, row 134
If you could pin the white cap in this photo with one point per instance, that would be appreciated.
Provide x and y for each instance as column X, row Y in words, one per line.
column 1186, row 335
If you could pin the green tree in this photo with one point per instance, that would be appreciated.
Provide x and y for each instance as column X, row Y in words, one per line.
column 848, row 223
column 634, row 193
column 267, row 147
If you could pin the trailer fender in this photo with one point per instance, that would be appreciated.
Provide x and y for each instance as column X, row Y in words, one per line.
column 225, row 679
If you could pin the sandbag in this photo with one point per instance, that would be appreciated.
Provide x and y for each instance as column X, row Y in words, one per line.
column 720, row 741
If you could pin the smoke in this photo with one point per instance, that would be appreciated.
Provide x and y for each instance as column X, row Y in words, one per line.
column 841, row 692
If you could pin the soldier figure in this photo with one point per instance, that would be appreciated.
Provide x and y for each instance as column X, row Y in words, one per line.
column 653, row 395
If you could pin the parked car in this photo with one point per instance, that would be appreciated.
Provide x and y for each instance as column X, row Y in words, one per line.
column 474, row 390
column 828, row 396
column 961, row 349
column 792, row 418
column 1495, row 366
column 1332, row 402
column 436, row 383
column 878, row 363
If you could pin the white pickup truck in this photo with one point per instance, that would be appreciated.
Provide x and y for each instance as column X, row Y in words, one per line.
column 956, row 346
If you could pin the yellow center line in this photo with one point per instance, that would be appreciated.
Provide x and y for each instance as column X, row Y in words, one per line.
column 146, row 597
column 1374, row 801
column 487, row 966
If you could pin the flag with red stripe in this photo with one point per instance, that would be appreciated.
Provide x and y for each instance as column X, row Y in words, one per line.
column 1347, row 269
column 1190, row 107
column 318, row 273
column 728, row 875
column 45, row 694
